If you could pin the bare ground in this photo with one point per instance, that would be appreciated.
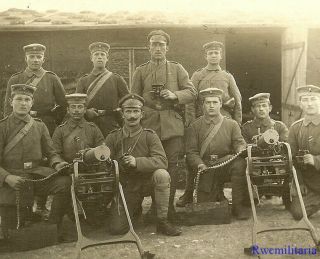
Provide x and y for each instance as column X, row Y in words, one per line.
column 206, row 241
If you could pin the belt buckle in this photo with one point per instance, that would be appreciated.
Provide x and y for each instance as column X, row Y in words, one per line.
column 27, row 165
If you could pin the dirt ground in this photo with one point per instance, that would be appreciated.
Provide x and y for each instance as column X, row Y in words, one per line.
column 206, row 241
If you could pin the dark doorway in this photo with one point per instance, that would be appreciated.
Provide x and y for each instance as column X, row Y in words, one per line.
column 253, row 56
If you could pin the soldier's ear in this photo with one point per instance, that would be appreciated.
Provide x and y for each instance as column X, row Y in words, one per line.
column 167, row 48
column 142, row 114
column 10, row 101
column 270, row 107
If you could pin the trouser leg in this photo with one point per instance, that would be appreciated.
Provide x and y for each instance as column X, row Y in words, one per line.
column 172, row 148
column 311, row 202
column 59, row 187
column 118, row 221
column 161, row 183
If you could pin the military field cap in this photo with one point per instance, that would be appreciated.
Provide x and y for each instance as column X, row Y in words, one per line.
column 22, row 89
column 308, row 90
column 76, row 98
column 212, row 45
column 159, row 36
column 259, row 98
column 99, row 46
column 34, row 48
column 131, row 101
column 210, row 92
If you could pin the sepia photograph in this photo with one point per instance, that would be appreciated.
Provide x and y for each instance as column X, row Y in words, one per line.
column 159, row 129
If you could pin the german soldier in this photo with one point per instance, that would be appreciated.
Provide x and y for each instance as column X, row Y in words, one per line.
column 304, row 139
column 104, row 90
column 213, row 138
column 165, row 86
column 143, row 165
column 49, row 98
column 76, row 133
column 261, row 108
column 23, row 143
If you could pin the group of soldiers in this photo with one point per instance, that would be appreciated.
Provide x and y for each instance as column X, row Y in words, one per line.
column 144, row 128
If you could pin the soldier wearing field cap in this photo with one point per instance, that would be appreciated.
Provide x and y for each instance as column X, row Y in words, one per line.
column 49, row 98
column 24, row 141
column 143, row 165
column 76, row 133
column 104, row 89
column 211, row 139
column 166, row 88
column 261, row 108
column 304, row 139
column 212, row 76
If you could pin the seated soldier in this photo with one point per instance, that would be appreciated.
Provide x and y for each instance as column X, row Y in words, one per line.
column 261, row 108
column 143, row 165
column 24, row 141
column 76, row 133
column 217, row 137
column 304, row 136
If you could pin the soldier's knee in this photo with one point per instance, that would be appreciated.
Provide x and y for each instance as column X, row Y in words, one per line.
column 161, row 177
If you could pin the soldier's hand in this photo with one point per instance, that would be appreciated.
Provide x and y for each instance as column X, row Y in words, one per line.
column 308, row 159
column 168, row 95
column 202, row 167
column 129, row 161
column 14, row 181
column 60, row 165
column 91, row 113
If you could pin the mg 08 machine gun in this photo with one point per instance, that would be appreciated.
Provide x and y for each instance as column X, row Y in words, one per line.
column 95, row 182
column 269, row 172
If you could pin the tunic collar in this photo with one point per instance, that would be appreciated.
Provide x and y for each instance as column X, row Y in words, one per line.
column 37, row 73
column 266, row 122
column 158, row 63
column 73, row 124
column 216, row 68
column 25, row 119
column 98, row 71
column 315, row 120
column 214, row 121
column 126, row 133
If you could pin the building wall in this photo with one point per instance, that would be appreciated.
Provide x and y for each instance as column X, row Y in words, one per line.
column 313, row 57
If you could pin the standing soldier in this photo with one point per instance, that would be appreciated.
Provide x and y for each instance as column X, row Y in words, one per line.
column 76, row 133
column 165, row 86
column 49, row 98
column 214, row 138
column 104, row 90
column 23, row 143
column 212, row 76
column 143, row 165
column 304, row 139
column 261, row 108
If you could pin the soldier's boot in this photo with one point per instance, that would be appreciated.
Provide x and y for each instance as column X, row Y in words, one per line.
column 186, row 198
column 166, row 228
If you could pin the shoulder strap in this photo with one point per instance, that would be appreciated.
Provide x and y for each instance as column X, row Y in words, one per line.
column 16, row 139
column 35, row 80
column 208, row 139
column 95, row 86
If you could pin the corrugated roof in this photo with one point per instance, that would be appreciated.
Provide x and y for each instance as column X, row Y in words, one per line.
column 14, row 19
